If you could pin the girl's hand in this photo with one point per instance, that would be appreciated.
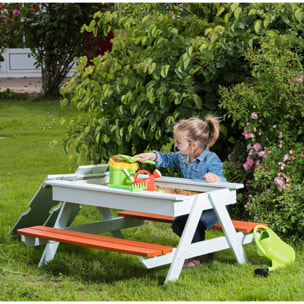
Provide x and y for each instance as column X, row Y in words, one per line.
column 146, row 156
column 212, row 178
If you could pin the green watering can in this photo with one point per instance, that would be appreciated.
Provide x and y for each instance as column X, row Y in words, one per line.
column 270, row 246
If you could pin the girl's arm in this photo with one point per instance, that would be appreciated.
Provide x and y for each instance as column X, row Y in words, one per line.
column 162, row 159
column 146, row 156
column 215, row 170
column 212, row 178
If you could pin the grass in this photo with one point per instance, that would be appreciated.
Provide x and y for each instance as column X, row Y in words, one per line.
column 31, row 148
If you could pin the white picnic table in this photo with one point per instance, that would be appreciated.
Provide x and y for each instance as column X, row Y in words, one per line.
column 88, row 187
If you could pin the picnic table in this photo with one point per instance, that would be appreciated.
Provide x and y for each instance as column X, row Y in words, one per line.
column 44, row 224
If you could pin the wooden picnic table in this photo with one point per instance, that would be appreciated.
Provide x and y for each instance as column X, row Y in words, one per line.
column 88, row 188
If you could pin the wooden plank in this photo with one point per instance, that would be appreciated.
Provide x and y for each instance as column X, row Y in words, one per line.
column 95, row 241
column 243, row 226
column 246, row 227
column 147, row 216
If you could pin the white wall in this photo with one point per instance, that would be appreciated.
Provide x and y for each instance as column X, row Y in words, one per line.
column 20, row 63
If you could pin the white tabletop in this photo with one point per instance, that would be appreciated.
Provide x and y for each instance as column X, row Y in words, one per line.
column 83, row 192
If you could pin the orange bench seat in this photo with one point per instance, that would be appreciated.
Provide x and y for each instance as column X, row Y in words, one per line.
column 246, row 227
column 95, row 241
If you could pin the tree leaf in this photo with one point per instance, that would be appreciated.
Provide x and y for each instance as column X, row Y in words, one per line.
column 237, row 13
column 257, row 25
column 164, row 70
column 220, row 10
column 197, row 100
column 299, row 14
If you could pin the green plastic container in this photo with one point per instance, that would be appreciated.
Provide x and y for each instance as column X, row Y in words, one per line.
column 118, row 177
column 270, row 246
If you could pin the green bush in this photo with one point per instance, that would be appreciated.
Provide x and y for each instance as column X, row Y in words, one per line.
column 166, row 64
column 268, row 158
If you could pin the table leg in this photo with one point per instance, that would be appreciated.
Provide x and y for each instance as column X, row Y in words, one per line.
column 64, row 216
column 234, row 242
column 183, row 249
column 107, row 214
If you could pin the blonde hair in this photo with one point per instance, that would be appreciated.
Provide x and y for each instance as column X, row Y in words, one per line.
column 205, row 133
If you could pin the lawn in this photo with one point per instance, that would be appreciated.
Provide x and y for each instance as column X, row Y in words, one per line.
column 31, row 148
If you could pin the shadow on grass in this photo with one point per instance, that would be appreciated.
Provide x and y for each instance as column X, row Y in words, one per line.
column 97, row 266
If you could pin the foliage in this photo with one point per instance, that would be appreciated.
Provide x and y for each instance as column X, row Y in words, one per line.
column 53, row 34
column 166, row 64
column 269, row 157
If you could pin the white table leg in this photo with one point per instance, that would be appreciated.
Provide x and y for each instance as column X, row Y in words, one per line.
column 106, row 214
column 62, row 219
column 235, row 243
column 183, row 249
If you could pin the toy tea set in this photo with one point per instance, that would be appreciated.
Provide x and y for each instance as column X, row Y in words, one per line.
column 123, row 174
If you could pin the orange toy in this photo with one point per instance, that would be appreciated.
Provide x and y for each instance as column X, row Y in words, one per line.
column 149, row 180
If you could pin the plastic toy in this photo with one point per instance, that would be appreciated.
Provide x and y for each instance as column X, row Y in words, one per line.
column 123, row 175
column 132, row 159
column 270, row 246
column 149, row 181
column 120, row 173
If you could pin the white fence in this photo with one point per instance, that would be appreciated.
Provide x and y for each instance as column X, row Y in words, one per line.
column 20, row 63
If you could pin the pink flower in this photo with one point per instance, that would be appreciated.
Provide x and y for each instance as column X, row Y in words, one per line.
column 254, row 115
column 16, row 12
column 279, row 182
column 281, row 135
column 246, row 167
column 286, row 157
column 262, row 153
column 274, row 126
column 247, row 136
column 257, row 147
column 248, row 164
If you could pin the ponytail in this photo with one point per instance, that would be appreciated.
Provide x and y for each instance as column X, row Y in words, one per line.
column 213, row 124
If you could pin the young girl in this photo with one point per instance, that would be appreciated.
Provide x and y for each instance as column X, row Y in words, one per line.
column 193, row 137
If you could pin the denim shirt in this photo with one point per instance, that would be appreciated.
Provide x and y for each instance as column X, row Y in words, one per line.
column 206, row 162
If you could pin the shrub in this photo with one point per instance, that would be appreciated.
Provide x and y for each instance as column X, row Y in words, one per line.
column 268, row 158
column 166, row 64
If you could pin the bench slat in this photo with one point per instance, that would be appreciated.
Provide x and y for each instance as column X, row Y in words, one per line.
column 246, row 227
column 95, row 241
column 147, row 216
